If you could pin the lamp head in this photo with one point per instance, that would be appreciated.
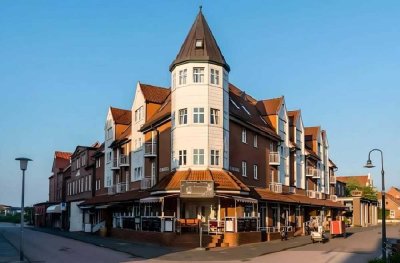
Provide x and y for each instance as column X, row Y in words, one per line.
column 23, row 162
column 369, row 164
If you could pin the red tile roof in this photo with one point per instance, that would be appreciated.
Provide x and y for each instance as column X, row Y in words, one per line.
column 63, row 155
column 362, row 180
column 154, row 94
column 293, row 116
column 223, row 180
column 121, row 116
column 270, row 106
column 163, row 112
column 311, row 133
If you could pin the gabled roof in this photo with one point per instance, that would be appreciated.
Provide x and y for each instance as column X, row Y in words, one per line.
column 332, row 164
column 163, row 113
column 293, row 117
column 121, row 116
column 223, row 180
column 208, row 51
column 362, row 180
column 154, row 94
column 63, row 155
column 311, row 133
column 270, row 106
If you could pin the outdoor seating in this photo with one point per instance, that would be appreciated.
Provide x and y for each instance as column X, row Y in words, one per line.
column 190, row 224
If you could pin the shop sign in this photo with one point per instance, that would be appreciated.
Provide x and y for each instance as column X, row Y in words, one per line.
column 356, row 193
column 197, row 189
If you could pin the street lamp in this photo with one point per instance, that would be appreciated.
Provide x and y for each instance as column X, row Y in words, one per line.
column 370, row 165
column 23, row 163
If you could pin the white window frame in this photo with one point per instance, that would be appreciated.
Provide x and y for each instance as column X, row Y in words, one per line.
column 244, row 135
column 182, row 158
column 392, row 214
column 182, row 76
column 214, row 76
column 198, row 75
column 198, row 114
column 198, row 156
column 255, row 171
column 255, row 141
column 214, row 116
column 214, row 160
column 182, row 116
column 244, row 168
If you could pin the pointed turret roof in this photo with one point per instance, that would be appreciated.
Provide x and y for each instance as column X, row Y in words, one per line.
column 200, row 45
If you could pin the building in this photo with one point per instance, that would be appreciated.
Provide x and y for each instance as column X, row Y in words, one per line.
column 392, row 206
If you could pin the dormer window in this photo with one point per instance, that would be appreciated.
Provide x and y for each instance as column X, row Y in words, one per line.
column 199, row 43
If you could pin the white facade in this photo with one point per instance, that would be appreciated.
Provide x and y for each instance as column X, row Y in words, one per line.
column 137, row 137
column 200, row 117
column 300, row 154
column 283, row 132
column 109, row 132
column 76, row 217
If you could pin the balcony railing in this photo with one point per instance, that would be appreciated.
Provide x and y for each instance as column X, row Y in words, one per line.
column 117, row 188
column 333, row 198
column 332, row 179
column 123, row 160
column 312, row 172
column 115, row 164
column 274, row 158
column 145, row 183
column 318, row 195
column 150, row 149
column 311, row 193
column 275, row 187
column 292, row 190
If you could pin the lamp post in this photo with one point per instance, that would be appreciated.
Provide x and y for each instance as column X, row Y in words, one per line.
column 23, row 162
column 370, row 165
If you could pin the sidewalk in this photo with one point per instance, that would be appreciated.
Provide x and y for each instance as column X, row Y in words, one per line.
column 152, row 251
column 8, row 253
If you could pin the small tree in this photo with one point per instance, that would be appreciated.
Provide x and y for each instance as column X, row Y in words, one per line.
column 367, row 191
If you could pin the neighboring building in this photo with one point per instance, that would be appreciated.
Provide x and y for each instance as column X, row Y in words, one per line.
column 392, row 205
column 80, row 184
column 5, row 209
column 395, row 192
column 362, row 180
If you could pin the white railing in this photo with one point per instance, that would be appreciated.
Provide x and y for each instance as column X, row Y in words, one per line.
column 120, row 188
column 123, row 160
column 274, row 158
column 216, row 226
column 150, row 149
column 318, row 195
column 292, row 190
column 332, row 179
column 333, row 198
column 111, row 190
column 272, row 229
column 115, row 164
column 145, row 183
column 287, row 228
column 275, row 187
column 310, row 171
column 310, row 193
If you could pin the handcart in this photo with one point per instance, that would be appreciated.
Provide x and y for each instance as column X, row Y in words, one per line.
column 319, row 235
column 338, row 228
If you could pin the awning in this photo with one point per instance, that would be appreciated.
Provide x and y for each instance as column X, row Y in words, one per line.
column 54, row 209
column 245, row 200
column 151, row 200
column 101, row 206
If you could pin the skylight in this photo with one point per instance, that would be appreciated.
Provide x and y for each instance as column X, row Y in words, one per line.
column 246, row 110
column 263, row 120
column 234, row 104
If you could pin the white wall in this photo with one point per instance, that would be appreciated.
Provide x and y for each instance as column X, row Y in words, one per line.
column 200, row 136
column 284, row 163
column 108, row 173
column 137, row 157
column 76, row 217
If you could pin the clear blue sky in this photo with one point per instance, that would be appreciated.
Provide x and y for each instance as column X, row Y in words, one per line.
column 63, row 63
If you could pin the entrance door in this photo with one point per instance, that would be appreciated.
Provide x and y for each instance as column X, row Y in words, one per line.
column 263, row 216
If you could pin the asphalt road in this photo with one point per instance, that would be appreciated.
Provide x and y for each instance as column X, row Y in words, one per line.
column 42, row 247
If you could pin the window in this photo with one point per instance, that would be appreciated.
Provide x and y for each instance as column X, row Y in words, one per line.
column 182, row 157
column 139, row 114
column 198, row 75
column 199, row 43
column 255, row 141
column 392, row 214
column 244, row 135
column 255, row 171
column 138, row 173
column 182, row 76
column 183, row 116
column 98, row 163
column 214, row 115
column 198, row 115
column 109, row 157
column 234, row 104
column 244, row 169
column 214, row 76
column 109, row 133
column 214, row 157
column 198, row 156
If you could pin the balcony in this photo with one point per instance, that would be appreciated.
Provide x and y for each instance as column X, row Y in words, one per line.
column 332, row 179
column 318, row 195
column 114, row 164
column 150, row 149
column 333, row 198
column 117, row 189
column 292, row 190
column 145, row 183
column 311, row 194
column 123, row 160
column 274, row 158
column 312, row 172
column 275, row 187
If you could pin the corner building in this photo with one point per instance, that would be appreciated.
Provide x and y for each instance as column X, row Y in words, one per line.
column 206, row 155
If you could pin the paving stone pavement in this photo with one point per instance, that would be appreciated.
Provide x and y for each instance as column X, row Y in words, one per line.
column 8, row 253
